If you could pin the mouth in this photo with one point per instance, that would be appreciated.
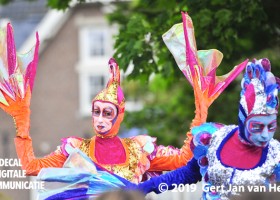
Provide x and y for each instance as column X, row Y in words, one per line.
column 263, row 143
column 99, row 127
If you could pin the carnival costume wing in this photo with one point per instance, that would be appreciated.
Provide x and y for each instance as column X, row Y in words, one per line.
column 199, row 67
column 17, row 71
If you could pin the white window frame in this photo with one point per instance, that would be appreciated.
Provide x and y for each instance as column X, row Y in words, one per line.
column 85, row 44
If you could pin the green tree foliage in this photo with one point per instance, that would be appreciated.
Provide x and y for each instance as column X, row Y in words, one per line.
column 240, row 29
column 60, row 4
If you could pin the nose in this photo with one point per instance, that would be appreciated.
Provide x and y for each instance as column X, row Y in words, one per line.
column 100, row 118
column 265, row 134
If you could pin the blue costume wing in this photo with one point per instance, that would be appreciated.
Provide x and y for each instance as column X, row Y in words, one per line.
column 79, row 178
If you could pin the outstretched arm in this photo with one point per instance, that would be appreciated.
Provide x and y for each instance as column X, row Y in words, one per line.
column 30, row 163
column 185, row 175
column 170, row 158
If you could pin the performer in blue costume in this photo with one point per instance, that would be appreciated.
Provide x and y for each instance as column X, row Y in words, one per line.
column 230, row 156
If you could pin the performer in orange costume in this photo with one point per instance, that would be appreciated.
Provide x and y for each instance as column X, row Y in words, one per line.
column 129, row 158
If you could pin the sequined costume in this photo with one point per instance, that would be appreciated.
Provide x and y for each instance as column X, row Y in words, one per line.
column 217, row 173
column 226, row 156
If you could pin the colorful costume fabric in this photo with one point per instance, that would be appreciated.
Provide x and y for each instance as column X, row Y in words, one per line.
column 80, row 178
column 227, row 156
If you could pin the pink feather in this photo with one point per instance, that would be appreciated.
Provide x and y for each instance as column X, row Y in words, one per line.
column 250, row 97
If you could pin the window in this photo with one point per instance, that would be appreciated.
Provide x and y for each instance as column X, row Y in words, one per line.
column 96, row 43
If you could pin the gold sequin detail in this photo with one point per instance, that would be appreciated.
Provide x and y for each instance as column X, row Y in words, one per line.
column 129, row 171
column 84, row 147
column 110, row 94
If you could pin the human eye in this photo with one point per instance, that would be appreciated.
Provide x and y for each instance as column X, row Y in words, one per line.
column 96, row 112
column 256, row 127
column 272, row 126
column 108, row 113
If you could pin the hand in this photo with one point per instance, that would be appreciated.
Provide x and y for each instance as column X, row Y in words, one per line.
column 19, row 110
column 18, row 106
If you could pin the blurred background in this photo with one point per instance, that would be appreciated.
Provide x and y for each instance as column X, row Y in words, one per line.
column 78, row 38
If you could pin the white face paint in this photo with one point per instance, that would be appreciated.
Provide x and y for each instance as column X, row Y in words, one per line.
column 259, row 129
column 103, row 114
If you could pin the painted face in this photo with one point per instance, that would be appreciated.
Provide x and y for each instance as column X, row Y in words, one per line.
column 103, row 116
column 260, row 129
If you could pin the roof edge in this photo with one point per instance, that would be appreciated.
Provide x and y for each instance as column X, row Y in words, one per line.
column 47, row 28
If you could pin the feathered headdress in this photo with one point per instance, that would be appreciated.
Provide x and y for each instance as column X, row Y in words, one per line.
column 259, row 92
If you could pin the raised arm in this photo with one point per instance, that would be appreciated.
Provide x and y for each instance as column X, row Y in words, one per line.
column 199, row 68
column 23, row 141
column 17, row 73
